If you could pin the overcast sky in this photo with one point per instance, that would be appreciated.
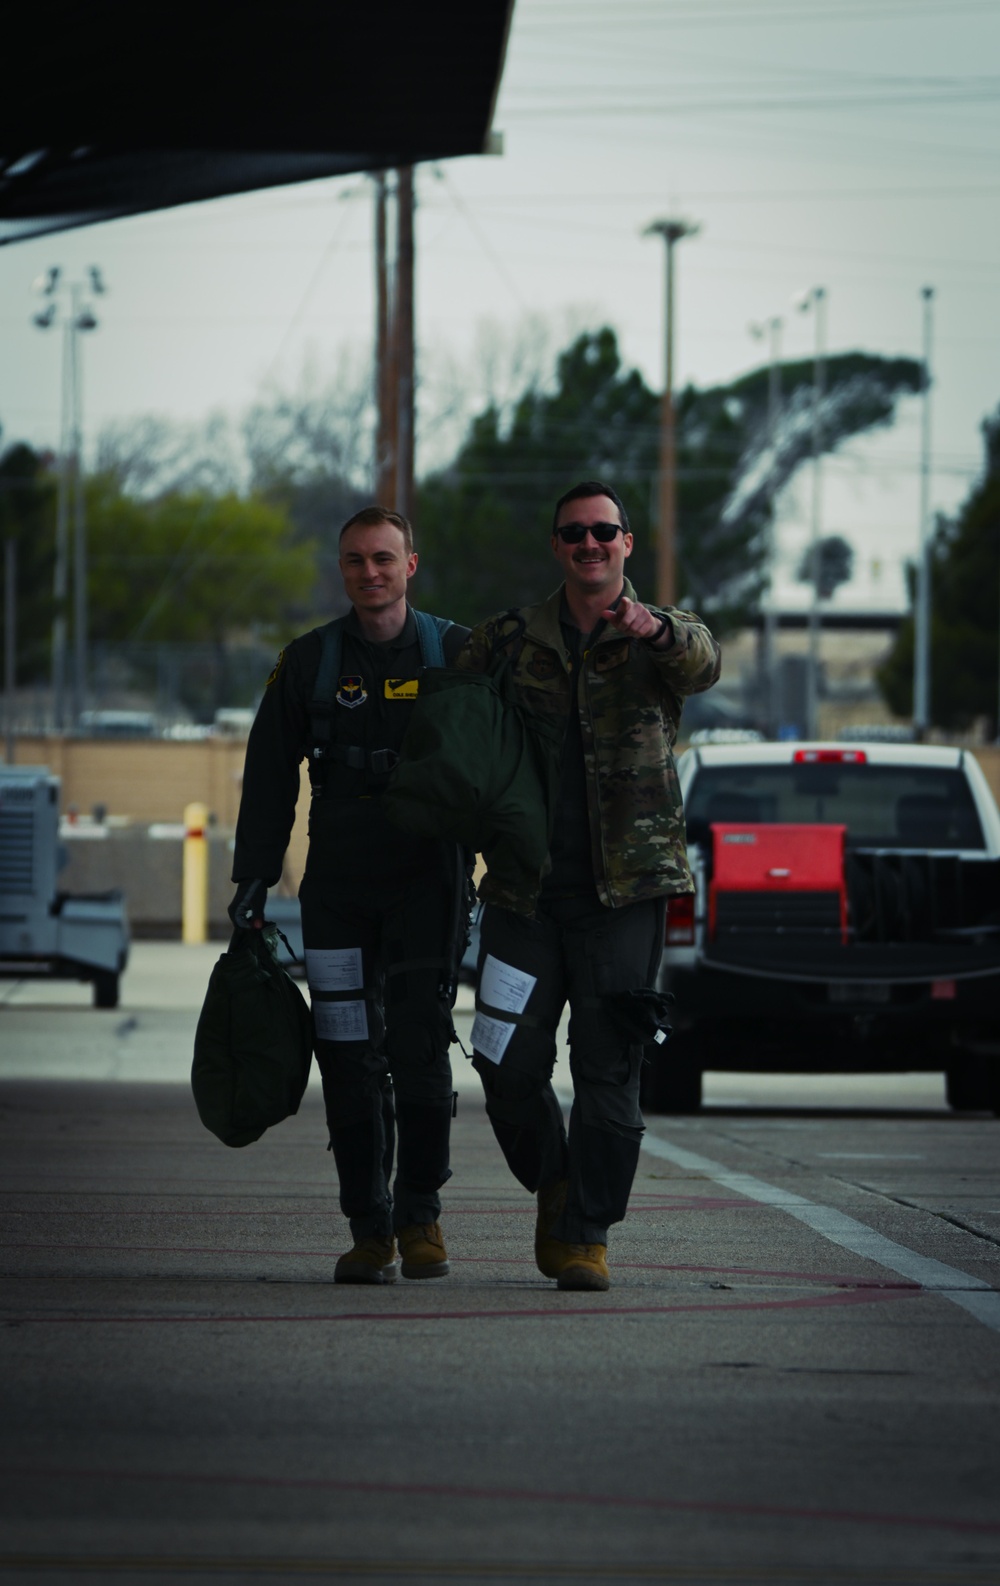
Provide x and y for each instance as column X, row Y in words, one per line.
column 846, row 143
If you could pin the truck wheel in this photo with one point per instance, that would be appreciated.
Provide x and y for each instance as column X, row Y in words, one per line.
column 971, row 1085
column 672, row 1080
column 105, row 989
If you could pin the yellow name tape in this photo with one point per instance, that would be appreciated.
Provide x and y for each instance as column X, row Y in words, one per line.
column 401, row 687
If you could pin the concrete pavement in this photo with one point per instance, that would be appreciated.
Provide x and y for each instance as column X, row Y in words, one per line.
column 187, row 1396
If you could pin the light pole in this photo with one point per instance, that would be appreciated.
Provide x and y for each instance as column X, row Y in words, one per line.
column 772, row 329
column 672, row 231
column 9, row 643
column 76, row 316
column 815, row 299
column 922, row 604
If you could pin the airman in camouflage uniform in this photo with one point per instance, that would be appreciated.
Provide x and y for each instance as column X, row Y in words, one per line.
column 615, row 673
column 629, row 697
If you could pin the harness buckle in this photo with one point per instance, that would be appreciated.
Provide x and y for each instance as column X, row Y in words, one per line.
column 383, row 760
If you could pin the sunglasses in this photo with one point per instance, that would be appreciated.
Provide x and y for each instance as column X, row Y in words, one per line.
column 573, row 533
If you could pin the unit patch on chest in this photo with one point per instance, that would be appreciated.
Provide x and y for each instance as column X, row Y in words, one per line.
column 402, row 687
column 543, row 665
column 608, row 656
column 351, row 692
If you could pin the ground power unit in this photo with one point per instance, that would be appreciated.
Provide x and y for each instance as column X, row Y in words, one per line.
column 45, row 932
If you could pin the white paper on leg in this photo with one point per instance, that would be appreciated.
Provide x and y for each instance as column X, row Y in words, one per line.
column 503, row 986
column 334, row 968
column 500, row 986
column 340, row 1021
column 490, row 1037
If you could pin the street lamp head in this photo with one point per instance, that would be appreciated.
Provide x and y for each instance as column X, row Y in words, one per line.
column 44, row 318
column 760, row 328
column 672, row 230
column 47, row 282
column 97, row 283
column 85, row 320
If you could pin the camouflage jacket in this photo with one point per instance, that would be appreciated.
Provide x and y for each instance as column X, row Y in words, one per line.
column 630, row 699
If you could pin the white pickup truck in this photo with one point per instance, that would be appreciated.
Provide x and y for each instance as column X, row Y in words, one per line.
column 846, row 918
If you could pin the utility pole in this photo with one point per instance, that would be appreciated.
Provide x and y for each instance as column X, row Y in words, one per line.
column 77, row 317
column 772, row 328
column 922, row 604
column 672, row 232
column 394, row 344
column 815, row 299
column 405, row 358
column 385, row 435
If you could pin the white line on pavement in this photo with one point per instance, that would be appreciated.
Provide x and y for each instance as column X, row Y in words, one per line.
column 973, row 1294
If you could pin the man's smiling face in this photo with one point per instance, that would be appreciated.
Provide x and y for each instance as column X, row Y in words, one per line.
column 375, row 565
column 591, row 566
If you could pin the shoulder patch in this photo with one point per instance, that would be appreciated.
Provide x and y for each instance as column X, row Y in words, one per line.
column 279, row 663
column 352, row 691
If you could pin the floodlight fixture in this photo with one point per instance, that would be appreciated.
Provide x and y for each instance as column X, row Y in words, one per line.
column 812, row 297
column 762, row 329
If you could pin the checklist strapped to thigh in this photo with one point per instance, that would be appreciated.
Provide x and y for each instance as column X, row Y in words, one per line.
column 502, row 989
column 334, row 972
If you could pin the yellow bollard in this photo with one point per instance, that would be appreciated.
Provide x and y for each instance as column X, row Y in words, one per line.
column 194, row 892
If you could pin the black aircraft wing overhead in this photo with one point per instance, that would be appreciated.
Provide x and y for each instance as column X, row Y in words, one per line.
column 110, row 109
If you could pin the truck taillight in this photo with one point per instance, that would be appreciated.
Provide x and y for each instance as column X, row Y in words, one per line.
column 680, row 921
column 830, row 757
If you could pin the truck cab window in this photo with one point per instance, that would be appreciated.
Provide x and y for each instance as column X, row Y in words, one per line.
column 882, row 806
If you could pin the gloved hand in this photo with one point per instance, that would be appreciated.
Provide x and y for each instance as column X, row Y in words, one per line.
column 247, row 908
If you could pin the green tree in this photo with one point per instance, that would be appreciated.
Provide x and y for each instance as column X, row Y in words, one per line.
column 965, row 604
column 484, row 522
column 27, row 516
column 190, row 568
column 190, row 594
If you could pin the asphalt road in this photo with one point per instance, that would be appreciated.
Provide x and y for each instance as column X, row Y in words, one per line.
column 794, row 1377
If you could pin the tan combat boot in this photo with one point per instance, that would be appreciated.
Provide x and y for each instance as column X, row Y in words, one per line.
column 372, row 1260
column 581, row 1266
column 551, row 1200
column 423, row 1251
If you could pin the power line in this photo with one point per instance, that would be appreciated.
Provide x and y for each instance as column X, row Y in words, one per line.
column 708, row 14
column 573, row 109
column 311, row 285
column 482, row 238
column 742, row 194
